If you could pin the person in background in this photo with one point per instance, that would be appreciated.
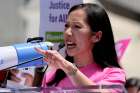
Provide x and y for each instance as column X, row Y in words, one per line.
column 20, row 77
column 91, row 57
column 26, row 78
column 133, row 85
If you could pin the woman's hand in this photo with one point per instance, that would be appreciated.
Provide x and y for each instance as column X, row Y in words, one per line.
column 53, row 58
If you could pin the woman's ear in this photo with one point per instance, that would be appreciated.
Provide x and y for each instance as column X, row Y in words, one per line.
column 97, row 36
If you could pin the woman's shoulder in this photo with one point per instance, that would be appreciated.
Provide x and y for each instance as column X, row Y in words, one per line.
column 117, row 70
column 114, row 74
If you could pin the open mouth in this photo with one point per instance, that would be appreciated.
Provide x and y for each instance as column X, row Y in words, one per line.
column 70, row 45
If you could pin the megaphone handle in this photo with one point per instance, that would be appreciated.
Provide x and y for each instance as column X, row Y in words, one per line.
column 35, row 40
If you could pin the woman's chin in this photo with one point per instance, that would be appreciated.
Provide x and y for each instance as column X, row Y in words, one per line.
column 70, row 53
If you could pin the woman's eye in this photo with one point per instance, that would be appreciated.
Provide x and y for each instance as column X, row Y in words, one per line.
column 66, row 25
column 77, row 26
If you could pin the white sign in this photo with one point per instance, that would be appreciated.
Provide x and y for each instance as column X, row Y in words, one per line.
column 53, row 15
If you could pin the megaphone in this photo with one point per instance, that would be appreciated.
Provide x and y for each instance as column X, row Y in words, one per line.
column 21, row 53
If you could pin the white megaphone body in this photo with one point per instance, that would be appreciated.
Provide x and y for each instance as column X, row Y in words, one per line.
column 13, row 56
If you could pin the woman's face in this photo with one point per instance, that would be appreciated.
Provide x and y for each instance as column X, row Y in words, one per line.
column 77, row 34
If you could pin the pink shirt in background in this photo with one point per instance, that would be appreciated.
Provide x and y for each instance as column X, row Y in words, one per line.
column 106, row 76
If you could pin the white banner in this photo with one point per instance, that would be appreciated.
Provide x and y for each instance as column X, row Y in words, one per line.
column 53, row 14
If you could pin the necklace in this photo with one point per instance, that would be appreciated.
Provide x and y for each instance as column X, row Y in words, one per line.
column 79, row 65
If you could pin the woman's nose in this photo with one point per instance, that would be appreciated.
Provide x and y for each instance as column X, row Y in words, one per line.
column 68, row 31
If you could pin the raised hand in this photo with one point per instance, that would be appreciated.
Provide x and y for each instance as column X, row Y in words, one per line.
column 53, row 58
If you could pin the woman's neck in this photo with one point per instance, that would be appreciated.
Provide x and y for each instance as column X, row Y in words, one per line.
column 83, row 60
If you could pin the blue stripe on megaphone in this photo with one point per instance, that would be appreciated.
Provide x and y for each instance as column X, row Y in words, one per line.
column 26, row 51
